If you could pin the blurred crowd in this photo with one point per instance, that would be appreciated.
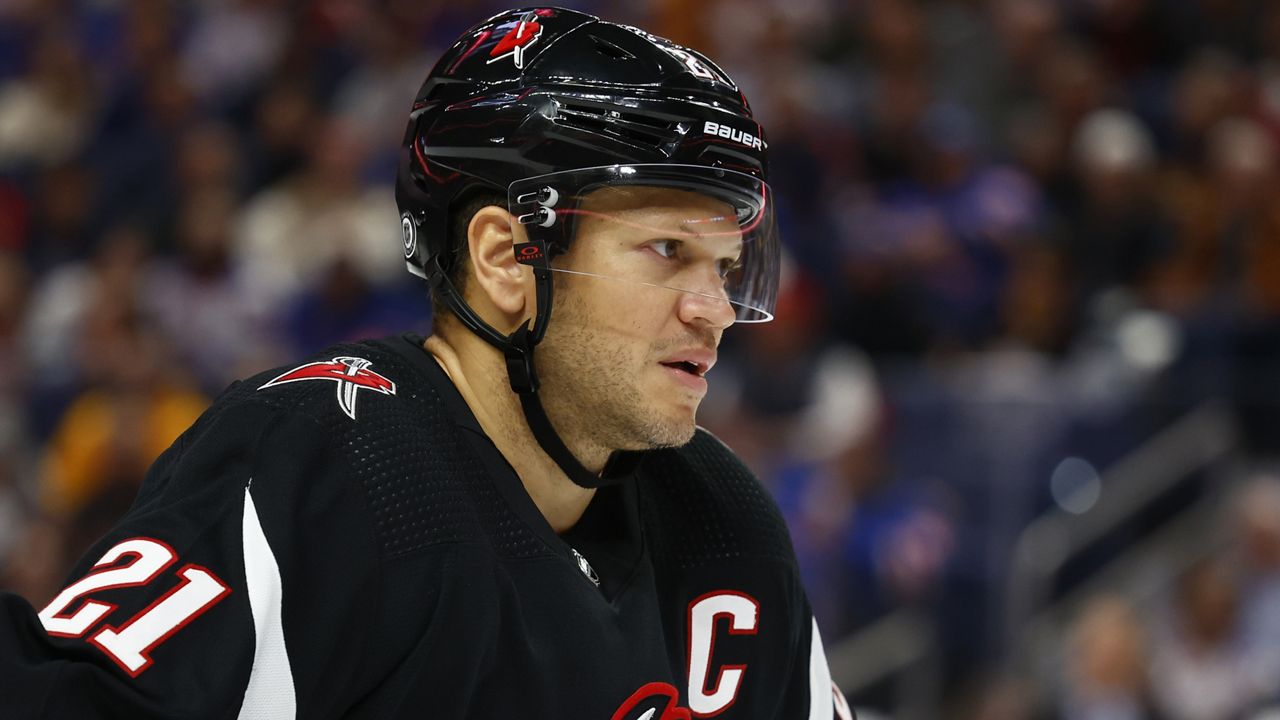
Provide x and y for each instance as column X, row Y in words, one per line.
column 1023, row 236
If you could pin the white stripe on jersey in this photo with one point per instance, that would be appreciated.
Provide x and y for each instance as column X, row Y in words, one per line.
column 270, row 693
column 825, row 700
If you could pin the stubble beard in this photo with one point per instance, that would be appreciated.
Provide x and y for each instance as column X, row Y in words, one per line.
column 591, row 388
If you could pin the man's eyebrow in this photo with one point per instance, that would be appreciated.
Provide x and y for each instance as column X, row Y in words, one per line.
column 685, row 226
column 733, row 250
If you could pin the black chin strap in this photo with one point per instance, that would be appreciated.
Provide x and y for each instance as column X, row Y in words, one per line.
column 517, row 348
column 524, row 380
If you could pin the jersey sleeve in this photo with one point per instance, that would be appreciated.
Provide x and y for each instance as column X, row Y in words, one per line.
column 234, row 587
column 823, row 698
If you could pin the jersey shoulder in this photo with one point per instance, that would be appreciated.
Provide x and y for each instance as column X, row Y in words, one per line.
column 315, row 403
column 341, row 381
column 704, row 505
column 379, row 422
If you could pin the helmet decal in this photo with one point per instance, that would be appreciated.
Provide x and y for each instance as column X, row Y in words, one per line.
column 409, row 233
column 695, row 65
column 523, row 33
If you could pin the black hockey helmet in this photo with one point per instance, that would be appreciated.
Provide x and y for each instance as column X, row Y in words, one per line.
column 545, row 106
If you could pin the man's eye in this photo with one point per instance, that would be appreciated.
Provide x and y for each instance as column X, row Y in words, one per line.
column 665, row 248
column 729, row 266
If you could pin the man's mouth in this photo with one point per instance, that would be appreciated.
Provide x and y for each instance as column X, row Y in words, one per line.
column 690, row 367
column 693, row 361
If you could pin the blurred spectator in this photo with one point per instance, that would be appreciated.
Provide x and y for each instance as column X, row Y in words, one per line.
column 46, row 117
column 1115, row 226
column 64, row 299
column 138, row 157
column 372, row 99
column 222, row 327
column 206, row 158
column 1255, row 522
column 280, row 130
column 1229, row 236
column 140, row 127
column 1133, row 36
column 1035, row 311
column 14, row 289
column 17, row 507
column 826, row 484
column 342, row 304
column 210, row 158
column 876, row 305
column 292, row 232
column 1107, row 657
column 1069, row 81
column 1222, row 277
column 62, row 225
column 233, row 48
column 16, row 501
column 111, row 433
column 1210, row 87
column 15, row 217
column 765, row 387
column 39, row 569
column 1199, row 668
column 1231, row 25
column 998, row 697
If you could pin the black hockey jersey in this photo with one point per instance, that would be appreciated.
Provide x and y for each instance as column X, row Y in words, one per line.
column 340, row 539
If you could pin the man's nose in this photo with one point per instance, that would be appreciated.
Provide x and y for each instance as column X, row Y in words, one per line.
column 708, row 304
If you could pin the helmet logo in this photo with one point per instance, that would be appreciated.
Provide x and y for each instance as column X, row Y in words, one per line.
column 408, row 233
column 739, row 136
column 695, row 66
column 512, row 45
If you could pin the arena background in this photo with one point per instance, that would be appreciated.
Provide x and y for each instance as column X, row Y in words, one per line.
column 1020, row 406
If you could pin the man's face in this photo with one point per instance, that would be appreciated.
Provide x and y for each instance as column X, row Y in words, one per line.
column 637, row 317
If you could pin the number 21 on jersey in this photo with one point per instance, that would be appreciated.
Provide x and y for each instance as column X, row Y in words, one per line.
column 133, row 563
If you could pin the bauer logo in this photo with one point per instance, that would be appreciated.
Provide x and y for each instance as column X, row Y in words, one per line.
column 738, row 136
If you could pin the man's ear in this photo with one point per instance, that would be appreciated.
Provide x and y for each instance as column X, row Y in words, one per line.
column 501, row 282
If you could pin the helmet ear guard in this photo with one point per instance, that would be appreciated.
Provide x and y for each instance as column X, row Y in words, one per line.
column 538, row 92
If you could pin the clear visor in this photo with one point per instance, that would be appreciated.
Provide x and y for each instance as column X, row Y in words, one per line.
column 710, row 232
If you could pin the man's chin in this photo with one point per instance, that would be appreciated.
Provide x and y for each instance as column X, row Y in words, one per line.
column 669, row 435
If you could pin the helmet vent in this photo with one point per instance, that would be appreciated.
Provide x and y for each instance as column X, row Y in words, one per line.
column 636, row 127
column 611, row 50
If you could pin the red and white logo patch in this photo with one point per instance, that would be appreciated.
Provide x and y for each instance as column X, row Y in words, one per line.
column 521, row 35
column 351, row 373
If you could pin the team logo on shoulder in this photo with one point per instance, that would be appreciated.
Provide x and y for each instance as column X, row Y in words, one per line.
column 351, row 373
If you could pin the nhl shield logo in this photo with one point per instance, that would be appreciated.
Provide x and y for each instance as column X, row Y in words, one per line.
column 586, row 569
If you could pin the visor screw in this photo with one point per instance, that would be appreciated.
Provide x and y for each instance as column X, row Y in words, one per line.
column 546, row 197
column 542, row 217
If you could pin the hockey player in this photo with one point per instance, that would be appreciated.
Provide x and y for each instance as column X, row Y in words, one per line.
column 516, row 517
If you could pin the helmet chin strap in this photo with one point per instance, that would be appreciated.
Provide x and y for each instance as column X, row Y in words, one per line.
column 517, row 348
column 524, row 381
